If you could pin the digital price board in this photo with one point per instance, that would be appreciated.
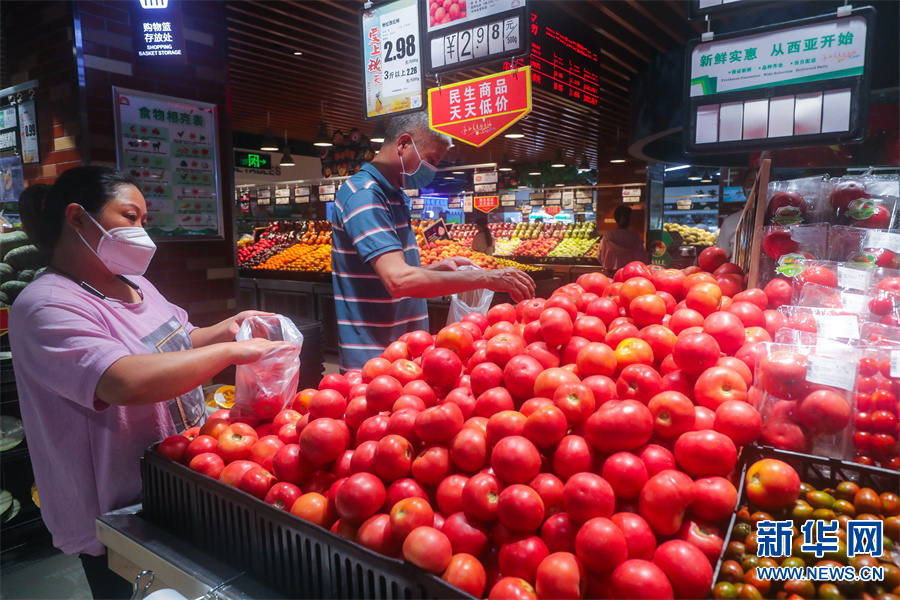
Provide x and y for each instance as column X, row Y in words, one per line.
column 565, row 55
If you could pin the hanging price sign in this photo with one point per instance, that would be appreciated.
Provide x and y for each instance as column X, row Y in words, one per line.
column 552, row 210
column 478, row 110
column 392, row 58
column 486, row 203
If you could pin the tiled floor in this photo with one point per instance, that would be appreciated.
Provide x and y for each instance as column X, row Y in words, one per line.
column 46, row 575
column 52, row 575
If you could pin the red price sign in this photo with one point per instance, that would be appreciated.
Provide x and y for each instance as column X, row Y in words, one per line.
column 478, row 110
column 552, row 210
column 486, row 203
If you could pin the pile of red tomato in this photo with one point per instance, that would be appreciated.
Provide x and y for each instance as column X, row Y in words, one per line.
column 579, row 446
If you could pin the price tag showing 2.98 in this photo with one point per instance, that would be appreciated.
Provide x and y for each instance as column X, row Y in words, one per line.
column 392, row 65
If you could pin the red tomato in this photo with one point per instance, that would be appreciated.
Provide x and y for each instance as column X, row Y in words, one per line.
column 208, row 463
column 633, row 351
column 619, row 425
column 704, row 297
column 639, row 537
column 556, row 325
column 521, row 557
column 546, row 426
column 673, row 414
column 715, row 499
column 772, row 484
column 549, row 380
column 408, row 514
column 739, row 421
column 501, row 312
column 520, row 508
column 686, row 567
column 256, row 482
column 322, row 441
column 712, row 258
column 827, row 412
column 626, row 474
column 783, row 374
column 639, row 382
column 695, row 352
column 466, row 572
column 661, row 340
column 174, row 447
column 636, row 578
column 337, row 382
column 648, row 309
column 600, row 545
column 402, row 489
column 282, row 495
column 469, row 450
column 717, row 385
column 512, row 588
column 360, row 497
column 428, row 548
column 235, row 442
column 705, row 454
column 313, row 507
column 664, row 499
column 480, row 496
column 515, row 460
column 596, row 359
column 504, row 424
column 573, row 455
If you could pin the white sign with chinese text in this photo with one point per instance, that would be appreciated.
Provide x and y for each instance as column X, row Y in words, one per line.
column 813, row 52
column 169, row 146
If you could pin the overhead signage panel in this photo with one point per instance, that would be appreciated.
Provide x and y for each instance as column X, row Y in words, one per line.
column 392, row 58
column 463, row 35
column 793, row 84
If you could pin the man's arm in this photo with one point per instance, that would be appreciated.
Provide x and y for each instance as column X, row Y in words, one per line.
column 404, row 281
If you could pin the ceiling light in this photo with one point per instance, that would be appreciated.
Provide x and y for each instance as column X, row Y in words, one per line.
column 506, row 165
column 560, row 185
column 297, row 53
column 458, row 172
column 268, row 142
column 322, row 138
column 515, row 131
column 286, row 159
column 449, row 177
column 535, row 170
column 678, row 168
column 378, row 135
column 558, row 162
column 706, row 177
column 694, row 175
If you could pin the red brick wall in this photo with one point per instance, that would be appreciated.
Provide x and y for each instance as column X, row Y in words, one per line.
column 75, row 129
column 39, row 47
column 197, row 275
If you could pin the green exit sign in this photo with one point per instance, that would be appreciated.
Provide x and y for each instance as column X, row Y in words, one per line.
column 253, row 160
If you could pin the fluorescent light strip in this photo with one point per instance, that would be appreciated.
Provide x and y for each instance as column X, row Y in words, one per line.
column 668, row 169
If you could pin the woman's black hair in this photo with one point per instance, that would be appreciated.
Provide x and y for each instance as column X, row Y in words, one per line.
column 622, row 215
column 42, row 208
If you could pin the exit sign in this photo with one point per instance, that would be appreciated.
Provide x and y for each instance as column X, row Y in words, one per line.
column 253, row 160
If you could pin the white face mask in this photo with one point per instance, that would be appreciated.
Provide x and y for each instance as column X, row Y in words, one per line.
column 124, row 250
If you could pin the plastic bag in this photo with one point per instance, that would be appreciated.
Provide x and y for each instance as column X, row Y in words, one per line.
column 263, row 388
column 464, row 303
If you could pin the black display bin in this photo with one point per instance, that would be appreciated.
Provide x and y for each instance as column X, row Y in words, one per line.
column 290, row 555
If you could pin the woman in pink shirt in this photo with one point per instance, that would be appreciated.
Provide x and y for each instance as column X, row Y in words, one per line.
column 105, row 366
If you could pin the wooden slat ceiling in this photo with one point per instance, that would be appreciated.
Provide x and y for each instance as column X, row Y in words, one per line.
column 325, row 82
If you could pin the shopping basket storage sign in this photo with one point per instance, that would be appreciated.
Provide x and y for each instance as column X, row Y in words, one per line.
column 478, row 110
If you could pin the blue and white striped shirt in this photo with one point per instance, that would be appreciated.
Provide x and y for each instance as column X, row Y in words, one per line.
column 370, row 218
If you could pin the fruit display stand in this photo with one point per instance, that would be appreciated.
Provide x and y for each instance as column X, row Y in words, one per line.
column 286, row 268
column 292, row 557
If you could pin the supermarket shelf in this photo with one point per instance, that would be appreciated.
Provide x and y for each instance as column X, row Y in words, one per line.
column 693, row 211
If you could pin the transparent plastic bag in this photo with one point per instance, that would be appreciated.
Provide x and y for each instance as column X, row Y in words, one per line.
column 263, row 388
column 464, row 303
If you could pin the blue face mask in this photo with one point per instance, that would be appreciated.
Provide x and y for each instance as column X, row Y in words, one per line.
column 423, row 175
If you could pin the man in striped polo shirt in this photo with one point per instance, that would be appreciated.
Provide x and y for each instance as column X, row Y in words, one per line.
column 379, row 283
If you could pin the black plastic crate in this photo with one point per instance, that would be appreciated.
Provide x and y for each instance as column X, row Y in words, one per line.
column 291, row 556
column 818, row 471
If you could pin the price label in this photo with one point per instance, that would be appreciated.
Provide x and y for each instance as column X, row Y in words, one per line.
column 895, row 363
column 302, row 200
column 838, row 326
column 507, row 203
column 282, row 192
column 883, row 239
column 282, row 200
column 857, row 303
column 853, row 279
column 483, row 188
column 831, row 371
column 326, row 189
column 301, row 191
column 806, row 235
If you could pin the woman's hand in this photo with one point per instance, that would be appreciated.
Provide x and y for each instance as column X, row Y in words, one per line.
column 252, row 350
column 237, row 320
